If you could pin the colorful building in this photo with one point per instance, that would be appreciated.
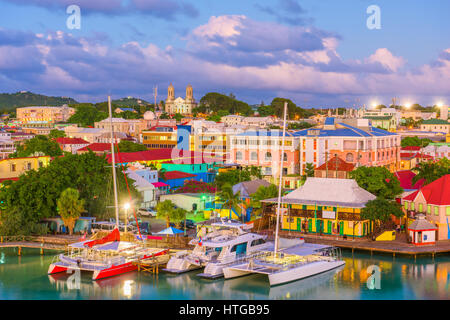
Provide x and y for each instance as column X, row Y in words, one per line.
column 334, row 168
column 39, row 114
column 71, row 145
column 432, row 200
column 435, row 125
column 326, row 206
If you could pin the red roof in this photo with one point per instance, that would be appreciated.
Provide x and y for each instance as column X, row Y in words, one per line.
column 406, row 156
column 6, row 179
column 97, row 147
column 405, row 177
column 436, row 193
column 410, row 148
column 170, row 175
column 71, row 141
column 341, row 165
column 424, row 156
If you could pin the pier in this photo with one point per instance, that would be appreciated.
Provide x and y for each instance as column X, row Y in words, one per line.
column 41, row 243
column 153, row 264
column 396, row 247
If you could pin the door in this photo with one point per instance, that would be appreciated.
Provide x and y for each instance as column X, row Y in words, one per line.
column 330, row 224
column 310, row 225
column 341, row 228
column 419, row 237
column 299, row 224
column 319, row 226
column 364, row 229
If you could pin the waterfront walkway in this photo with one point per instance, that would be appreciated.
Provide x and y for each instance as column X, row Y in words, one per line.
column 398, row 246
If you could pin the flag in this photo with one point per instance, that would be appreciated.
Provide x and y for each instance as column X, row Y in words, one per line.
column 200, row 241
column 83, row 237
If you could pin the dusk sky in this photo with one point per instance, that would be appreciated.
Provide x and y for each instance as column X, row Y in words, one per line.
column 317, row 53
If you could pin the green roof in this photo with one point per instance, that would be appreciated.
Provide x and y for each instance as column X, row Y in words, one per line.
column 435, row 121
column 378, row 117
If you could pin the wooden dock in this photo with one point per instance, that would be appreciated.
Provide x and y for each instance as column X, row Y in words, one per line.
column 41, row 243
column 152, row 265
column 396, row 247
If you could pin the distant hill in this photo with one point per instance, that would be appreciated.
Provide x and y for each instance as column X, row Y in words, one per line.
column 129, row 102
column 10, row 101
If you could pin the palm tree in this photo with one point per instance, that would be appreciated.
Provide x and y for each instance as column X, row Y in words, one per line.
column 70, row 207
column 229, row 199
column 263, row 193
column 431, row 171
column 162, row 174
column 165, row 210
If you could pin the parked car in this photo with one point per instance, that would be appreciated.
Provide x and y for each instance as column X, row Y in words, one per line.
column 190, row 224
column 147, row 212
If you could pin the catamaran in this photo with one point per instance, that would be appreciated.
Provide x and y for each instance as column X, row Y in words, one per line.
column 107, row 256
column 289, row 264
column 228, row 241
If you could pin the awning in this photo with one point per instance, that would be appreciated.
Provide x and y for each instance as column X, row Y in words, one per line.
column 159, row 184
column 170, row 231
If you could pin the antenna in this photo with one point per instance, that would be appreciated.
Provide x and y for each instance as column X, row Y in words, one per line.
column 155, row 94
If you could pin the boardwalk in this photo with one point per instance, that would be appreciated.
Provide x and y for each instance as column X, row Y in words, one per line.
column 398, row 246
column 42, row 243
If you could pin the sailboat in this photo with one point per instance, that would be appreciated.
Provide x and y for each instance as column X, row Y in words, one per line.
column 108, row 256
column 291, row 263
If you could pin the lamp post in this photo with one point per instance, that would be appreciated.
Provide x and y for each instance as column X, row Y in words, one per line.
column 126, row 206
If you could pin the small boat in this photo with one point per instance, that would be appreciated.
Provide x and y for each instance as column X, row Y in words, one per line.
column 228, row 241
column 104, row 257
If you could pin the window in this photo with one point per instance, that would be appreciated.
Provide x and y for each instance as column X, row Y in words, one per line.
column 285, row 157
column 349, row 157
column 429, row 208
column 406, row 205
column 420, row 207
column 436, row 210
column 238, row 155
column 412, row 206
column 268, row 156
column 13, row 167
column 268, row 170
column 233, row 249
column 447, row 211
column 29, row 166
column 254, row 155
column 41, row 164
column 257, row 242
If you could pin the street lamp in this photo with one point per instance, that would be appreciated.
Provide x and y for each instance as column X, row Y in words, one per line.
column 126, row 206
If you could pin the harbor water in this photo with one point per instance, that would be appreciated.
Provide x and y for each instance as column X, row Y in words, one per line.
column 25, row 277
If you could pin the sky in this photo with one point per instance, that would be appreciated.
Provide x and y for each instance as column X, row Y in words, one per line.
column 316, row 53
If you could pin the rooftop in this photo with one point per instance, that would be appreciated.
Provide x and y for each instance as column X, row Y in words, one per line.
column 71, row 141
column 337, row 164
column 436, row 193
column 171, row 175
column 436, row 121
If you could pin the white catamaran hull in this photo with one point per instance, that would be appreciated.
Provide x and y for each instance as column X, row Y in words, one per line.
column 303, row 271
column 180, row 265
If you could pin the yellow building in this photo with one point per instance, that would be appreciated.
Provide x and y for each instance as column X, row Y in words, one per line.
column 210, row 143
column 159, row 139
column 44, row 114
column 14, row 167
column 326, row 206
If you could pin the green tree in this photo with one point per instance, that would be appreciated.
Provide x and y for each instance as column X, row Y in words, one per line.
column 415, row 142
column 431, row 171
column 37, row 145
column 166, row 210
column 309, row 170
column 229, row 199
column 380, row 210
column 378, row 181
column 232, row 177
column 263, row 193
column 265, row 111
column 55, row 133
column 129, row 146
column 70, row 207
column 178, row 117
column 86, row 115
column 213, row 102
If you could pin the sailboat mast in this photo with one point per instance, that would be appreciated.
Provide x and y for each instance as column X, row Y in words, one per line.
column 116, row 202
column 280, row 180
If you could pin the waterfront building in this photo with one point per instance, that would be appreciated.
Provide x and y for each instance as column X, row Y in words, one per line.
column 355, row 141
column 325, row 206
column 12, row 168
column 146, row 182
column 44, row 114
column 435, row 125
column 334, row 168
column 422, row 232
column 71, row 145
column 180, row 105
column 432, row 200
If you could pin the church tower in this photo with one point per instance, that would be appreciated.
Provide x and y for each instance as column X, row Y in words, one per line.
column 189, row 94
column 170, row 98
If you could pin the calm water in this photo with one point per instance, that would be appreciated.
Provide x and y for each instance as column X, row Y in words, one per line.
column 26, row 277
